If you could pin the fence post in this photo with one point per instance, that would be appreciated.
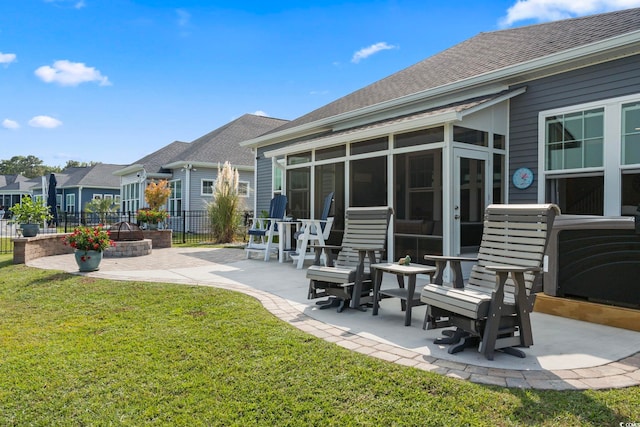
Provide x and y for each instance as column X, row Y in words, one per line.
column 184, row 226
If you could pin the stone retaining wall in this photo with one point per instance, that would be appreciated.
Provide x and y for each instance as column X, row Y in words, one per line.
column 160, row 238
column 26, row 249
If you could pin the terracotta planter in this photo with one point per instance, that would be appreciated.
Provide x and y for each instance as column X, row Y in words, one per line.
column 88, row 260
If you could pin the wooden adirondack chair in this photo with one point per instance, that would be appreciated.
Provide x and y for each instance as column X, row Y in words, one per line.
column 347, row 278
column 312, row 231
column 493, row 308
column 263, row 230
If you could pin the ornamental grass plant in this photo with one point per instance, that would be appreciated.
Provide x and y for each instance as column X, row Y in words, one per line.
column 86, row 238
column 224, row 210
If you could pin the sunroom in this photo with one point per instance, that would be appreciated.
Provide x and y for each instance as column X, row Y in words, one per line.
column 438, row 168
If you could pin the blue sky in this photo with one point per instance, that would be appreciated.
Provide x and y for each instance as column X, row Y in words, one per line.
column 114, row 80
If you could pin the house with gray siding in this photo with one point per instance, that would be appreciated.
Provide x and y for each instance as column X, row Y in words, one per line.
column 191, row 168
column 540, row 113
column 75, row 187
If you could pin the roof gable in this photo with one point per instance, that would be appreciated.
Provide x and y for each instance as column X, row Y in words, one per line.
column 217, row 146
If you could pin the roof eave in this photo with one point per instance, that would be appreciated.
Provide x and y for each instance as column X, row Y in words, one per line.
column 436, row 119
column 129, row 169
column 210, row 165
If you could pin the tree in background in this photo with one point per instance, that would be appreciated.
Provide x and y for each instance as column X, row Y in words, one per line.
column 29, row 166
column 102, row 208
column 224, row 210
column 77, row 164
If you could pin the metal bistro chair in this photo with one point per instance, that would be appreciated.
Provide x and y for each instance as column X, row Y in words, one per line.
column 264, row 230
column 312, row 231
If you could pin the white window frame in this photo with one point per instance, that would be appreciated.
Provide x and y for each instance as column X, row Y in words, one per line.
column 70, row 206
column 97, row 196
column 172, row 202
column 213, row 184
column 612, row 159
column 247, row 185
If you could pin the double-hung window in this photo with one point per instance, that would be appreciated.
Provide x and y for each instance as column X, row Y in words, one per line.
column 590, row 156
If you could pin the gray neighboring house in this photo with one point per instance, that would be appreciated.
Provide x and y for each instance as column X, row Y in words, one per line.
column 541, row 113
column 12, row 188
column 192, row 168
column 77, row 186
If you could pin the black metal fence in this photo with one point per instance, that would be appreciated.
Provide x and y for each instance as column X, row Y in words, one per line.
column 193, row 227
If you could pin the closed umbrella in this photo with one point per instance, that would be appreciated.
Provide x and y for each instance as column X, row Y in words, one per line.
column 52, row 200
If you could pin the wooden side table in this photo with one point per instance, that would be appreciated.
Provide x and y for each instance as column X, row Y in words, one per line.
column 408, row 296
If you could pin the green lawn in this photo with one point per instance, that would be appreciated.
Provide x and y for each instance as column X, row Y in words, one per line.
column 81, row 351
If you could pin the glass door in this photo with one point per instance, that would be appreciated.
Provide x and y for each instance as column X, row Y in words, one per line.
column 471, row 196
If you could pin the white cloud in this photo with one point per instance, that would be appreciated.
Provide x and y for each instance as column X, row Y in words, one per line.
column 183, row 17
column 368, row 51
column 260, row 113
column 67, row 73
column 10, row 124
column 76, row 4
column 44, row 122
column 553, row 10
column 7, row 58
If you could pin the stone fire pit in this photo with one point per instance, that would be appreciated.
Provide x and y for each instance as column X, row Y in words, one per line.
column 129, row 240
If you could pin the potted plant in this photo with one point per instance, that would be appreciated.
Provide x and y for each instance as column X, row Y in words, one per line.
column 156, row 195
column 30, row 214
column 151, row 216
column 89, row 244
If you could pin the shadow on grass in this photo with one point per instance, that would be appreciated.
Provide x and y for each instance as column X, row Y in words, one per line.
column 539, row 407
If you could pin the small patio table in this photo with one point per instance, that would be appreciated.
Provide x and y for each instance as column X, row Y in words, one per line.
column 408, row 296
column 286, row 229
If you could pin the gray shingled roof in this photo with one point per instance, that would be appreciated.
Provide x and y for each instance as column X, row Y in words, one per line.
column 11, row 179
column 218, row 146
column 486, row 52
column 100, row 175
column 153, row 162
column 223, row 144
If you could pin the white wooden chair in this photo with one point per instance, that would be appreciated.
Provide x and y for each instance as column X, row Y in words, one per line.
column 312, row 231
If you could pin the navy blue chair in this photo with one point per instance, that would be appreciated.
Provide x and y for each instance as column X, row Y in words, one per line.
column 263, row 230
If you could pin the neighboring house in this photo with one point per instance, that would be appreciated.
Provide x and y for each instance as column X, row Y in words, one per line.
column 192, row 168
column 77, row 186
column 12, row 188
column 542, row 113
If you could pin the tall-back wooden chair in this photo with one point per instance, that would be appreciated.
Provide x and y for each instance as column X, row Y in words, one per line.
column 347, row 277
column 492, row 308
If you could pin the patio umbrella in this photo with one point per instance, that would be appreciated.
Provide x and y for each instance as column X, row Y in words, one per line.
column 52, row 199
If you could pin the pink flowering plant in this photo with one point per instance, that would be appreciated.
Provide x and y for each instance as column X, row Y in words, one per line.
column 89, row 238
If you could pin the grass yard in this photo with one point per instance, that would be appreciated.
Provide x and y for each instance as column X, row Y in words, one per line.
column 81, row 351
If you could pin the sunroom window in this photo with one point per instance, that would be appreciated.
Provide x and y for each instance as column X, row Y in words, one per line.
column 574, row 140
column 631, row 133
